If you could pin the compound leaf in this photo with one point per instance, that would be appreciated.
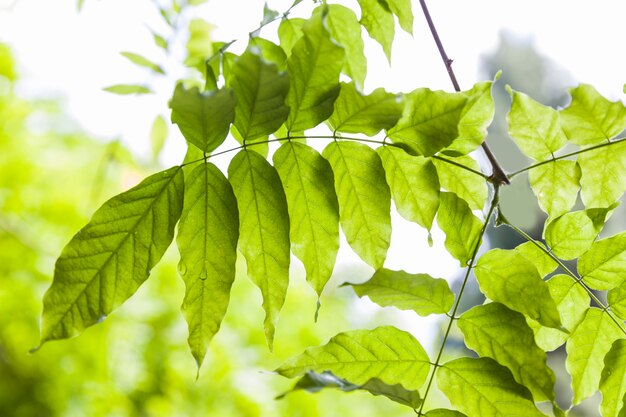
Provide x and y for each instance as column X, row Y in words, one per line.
column 108, row 259
column 556, row 185
column 602, row 267
column 461, row 227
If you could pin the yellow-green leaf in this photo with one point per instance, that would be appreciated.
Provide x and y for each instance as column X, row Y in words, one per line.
column 572, row 234
column 613, row 380
column 602, row 267
column 556, row 186
column 465, row 184
column 602, row 181
column 377, row 19
column 142, row 62
column 617, row 300
column 461, row 227
column 544, row 263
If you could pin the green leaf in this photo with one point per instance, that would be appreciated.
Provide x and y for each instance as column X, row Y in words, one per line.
column 418, row 292
column 556, row 186
column 602, row 182
column 617, row 300
column 507, row 277
column 260, row 90
column 127, row 89
column 356, row 113
column 364, row 199
column 430, row 120
column 344, row 27
column 160, row 41
column 378, row 21
column 269, row 51
column 494, row 331
column 613, row 380
column 591, row 118
column 314, row 67
column 264, row 230
column 158, row 135
column 402, row 9
column 142, row 62
column 461, row 227
column 108, row 259
column 482, row 387
column 572, row 302
column 443, row 412
column 394, row 392
column 207, row 241
column 269, row 15
column 289, row 32
column 199, row 44
column 465, row 184
column 203, row 118
column 535, row 128
column 572, row 234
column 313, row 209
column 602, row 266
column 586, row 348
column 414, row 185
column 544, row 263
column 386, row 353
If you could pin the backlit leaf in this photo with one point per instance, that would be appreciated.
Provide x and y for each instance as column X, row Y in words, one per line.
column 414, row 185
column 289, row 32
column 461, row 227
column 613, row 380
column 313, row 209
column 314, row 67
column 356, row 113
column 364, row 199
column 207, row 241
column 418, row 292
column 465, row 184
column 203, row 118
column 260, row 90
column 573, row 233
column 127, row 89
column 378, row 21
column 591, row 118
column 108, row 259
column 602, row 267
column 443, row 412
column 617, row 300
column 264, row 230
column 544, row 263
column 402, row 9
column 142, row 62
column 386, row 353
column 269, row 51
column 482, row 387
column 494, row 331
column 603, row 181
column 556, row 186
column 508, row 278
column 158, row 135
column 586, row 348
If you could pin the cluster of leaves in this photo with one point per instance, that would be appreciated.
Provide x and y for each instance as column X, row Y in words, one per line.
column 274, row 93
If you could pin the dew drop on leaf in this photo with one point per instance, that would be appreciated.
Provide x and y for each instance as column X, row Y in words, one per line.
column 182, row 268
column 203, row 275
column 430, row 239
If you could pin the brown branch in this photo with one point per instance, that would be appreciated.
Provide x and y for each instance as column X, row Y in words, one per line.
column 498, row 175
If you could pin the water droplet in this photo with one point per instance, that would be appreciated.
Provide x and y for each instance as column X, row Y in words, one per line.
column 101, row 318
column 182, row 268
column 203, row 275
column 430, row 239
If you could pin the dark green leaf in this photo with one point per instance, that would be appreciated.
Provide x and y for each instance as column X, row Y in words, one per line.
column 142, row 62
column 613, row 380
column 556, row 186
column 127, row 89
column 377, row 19
column 364, row 199
column 109, row 258
column 313, row 209
column 264, row 230
column 465, row 184
column 461, row 227
column 203, row 118
column 418, row 292
column 207, row 241
column 386, row 353
column 602, row 182
column 602, row 266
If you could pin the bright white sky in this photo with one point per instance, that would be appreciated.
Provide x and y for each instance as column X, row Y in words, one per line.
column 71, row 55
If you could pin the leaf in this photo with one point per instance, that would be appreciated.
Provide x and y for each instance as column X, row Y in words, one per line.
column 264, row 230
column 572, row 302
column 313, row 209
column 314, row 67
column 467, row 185
column 572, row 234
column 418, row 292
column 269, row 15
column 482, row 387
column 591, row 118
column 345, row 28
column 364, row 199
column 414, row 185
column 402, row 9
column 442, row 412
column 269, row 51
column 494, row 331
column 158, row 135
column 108, row 259
column 386, row 353
column 203, row 118
column 535, row 128
column 79, row 5
column 356, row 113
column 617, row 300
column 199, row 44
column 461, row 227
column 556, row 186
column 260, row 90
column 378, row 21
column 613, row 380
column 507, row 277
column 315, row 382
column 544, row 263
column 430, row 120
column 127, row 89
column 602, row 181
column 586, row 348
column 207, row 241
column 289, row 32
column 602, row 266
column 160, row 41
column 142, row 62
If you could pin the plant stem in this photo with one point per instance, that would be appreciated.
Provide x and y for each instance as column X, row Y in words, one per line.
column 436, row 365
column 498, row 175
column 591, row 148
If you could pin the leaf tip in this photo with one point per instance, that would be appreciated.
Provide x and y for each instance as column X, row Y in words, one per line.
column 318, row 305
